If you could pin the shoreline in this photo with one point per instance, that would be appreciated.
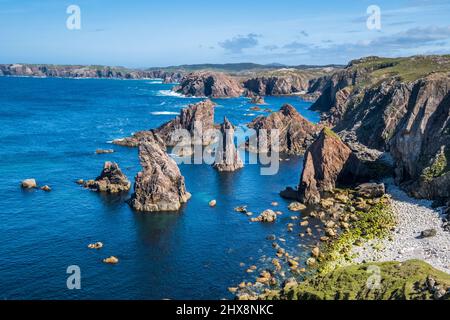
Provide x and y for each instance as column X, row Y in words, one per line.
column 413, row 216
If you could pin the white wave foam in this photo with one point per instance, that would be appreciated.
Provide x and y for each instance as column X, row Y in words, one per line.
column 164, row 113
column 169, row 93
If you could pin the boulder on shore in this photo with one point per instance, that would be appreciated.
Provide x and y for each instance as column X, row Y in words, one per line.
column 227, row 156
column 111, row 180
column 160, row 185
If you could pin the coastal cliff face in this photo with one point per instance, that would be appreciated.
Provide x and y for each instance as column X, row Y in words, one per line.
column 401, row 106
column 36, row 70
column 209, row 84
column 227, row 156
column 160, row 185
column 284, row 81
column 201, row 113
column 295, row 132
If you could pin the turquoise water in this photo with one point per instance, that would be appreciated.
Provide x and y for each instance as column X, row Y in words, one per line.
column 50, row 129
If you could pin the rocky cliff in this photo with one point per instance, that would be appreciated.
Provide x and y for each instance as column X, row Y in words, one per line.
column 227, row 157
column 295, row 132
column 73, row 71
column 285, row 81
column 209, row 84
column 160, row 185
column 401, row 106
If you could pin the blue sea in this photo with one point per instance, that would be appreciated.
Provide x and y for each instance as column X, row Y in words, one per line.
column 50, row 129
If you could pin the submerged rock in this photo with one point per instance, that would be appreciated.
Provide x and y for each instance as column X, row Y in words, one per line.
column 104, row 151
column 111, row 260
column 295, row 132
column 29, row 184
column 227, row 157
column 46, row 188
column 111, row 180
column 97, row 245
column 160, row 185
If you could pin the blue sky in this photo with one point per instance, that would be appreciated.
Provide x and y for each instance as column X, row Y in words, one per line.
column 138, row 33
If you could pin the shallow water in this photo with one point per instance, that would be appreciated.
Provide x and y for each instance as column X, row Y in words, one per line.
column 50, row 129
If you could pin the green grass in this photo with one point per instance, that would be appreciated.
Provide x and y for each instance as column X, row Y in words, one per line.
column 440, row 166
column 377, row 223
column 397, row 281
column 406, row 69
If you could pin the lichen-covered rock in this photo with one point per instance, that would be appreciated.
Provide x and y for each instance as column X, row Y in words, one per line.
column 111, row 180
column 160, row 185
column 295, row 132
column 227, row 156
column 209, row 84
column 371, row 190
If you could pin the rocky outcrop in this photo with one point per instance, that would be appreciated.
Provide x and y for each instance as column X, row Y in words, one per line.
column 197, row 119
column 111, row 180
column 399, row 106
column 209, row 84
column 328, row 162
column 295, row 132
column 276, row 85
column 227, row 156
column 286, row 81
column 160, row 185
column 257, row 100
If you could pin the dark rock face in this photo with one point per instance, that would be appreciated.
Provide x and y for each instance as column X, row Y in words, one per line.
column 209, row 84
column 160, row 185
column 276, row 85
column 328, row 162
column 111, row 180
column 296, row 133
column 201, row 113
column 227, row 157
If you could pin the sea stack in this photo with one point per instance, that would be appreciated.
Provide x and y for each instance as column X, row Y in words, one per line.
column 227, row 156
column 111, row 180
column 197, row 119
column 160, row 185
column 295, row 132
